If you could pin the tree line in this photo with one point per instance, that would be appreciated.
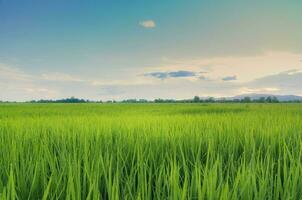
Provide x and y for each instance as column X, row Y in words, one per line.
column 195, row 99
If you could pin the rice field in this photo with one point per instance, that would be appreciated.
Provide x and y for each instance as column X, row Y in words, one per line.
column 150, row 151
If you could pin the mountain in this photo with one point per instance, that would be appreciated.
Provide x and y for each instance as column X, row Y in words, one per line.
column 279, row 97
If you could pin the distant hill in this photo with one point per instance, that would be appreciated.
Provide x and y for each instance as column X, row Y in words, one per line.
column 279, row 97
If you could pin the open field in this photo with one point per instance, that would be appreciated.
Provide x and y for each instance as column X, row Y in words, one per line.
column 151, row 151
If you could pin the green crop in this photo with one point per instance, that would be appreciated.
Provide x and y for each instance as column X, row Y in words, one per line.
column 150, row 151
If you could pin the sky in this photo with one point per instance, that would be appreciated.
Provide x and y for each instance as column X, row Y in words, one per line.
column 118, row 49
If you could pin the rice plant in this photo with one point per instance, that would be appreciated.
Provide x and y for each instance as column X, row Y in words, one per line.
column 150, row 151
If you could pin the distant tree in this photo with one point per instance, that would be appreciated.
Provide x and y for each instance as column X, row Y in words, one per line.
column 196, row 99
column 143, row 101
column 262, row 99
column 210, row 100
column 246, row 100
column 274, row 99
column 129, row 101
column 268, row 99
column 158, row 100
column 223, row 100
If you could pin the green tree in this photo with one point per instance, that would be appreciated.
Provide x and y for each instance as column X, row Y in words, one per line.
column 246, row 99
column 196, row 99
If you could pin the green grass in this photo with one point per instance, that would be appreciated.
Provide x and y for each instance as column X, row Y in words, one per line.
column 150, row 151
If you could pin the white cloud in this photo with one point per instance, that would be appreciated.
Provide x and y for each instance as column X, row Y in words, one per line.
column 247, row 90
column 148, row 24
column 246, row 68
column 17, row 85
column 61, row 77
column 293, row 71
column 270, row 73
column 131, row 81
column 12, row 73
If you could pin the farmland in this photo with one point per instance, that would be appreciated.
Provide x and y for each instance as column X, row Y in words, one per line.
column 150, row 151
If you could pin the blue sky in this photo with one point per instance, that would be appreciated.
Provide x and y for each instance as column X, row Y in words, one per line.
column 149, row 49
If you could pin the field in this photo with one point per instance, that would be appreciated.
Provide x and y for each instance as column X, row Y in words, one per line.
column 150, row 151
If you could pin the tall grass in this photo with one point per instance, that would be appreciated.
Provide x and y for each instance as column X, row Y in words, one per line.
column 150, row 151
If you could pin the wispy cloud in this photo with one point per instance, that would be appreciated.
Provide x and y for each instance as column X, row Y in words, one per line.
column 205, row 78
column 148, row 24
column 275, row 73
column 246, row 68
column 285, row 82
column 173, row 74
column 160, row 75
column 182, row 74
column 12, row 73
column 292, row 71
column 247, row 90
column 16, row 84
column 229, row 78
column 61, row 77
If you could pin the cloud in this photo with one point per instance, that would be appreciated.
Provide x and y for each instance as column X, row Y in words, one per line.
column 18, row 85
column 274, row 73
column 160, row 75
column 148, row 24
column 112, row 91
column 12, row 73
column 288, row 80
column 204, row 78
column 61, row 77
column 181, row 74
column 229, row 78
column 130, row 80
column 173, row 74
column 292, row 71
column 246, row 68
column 247, row 90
